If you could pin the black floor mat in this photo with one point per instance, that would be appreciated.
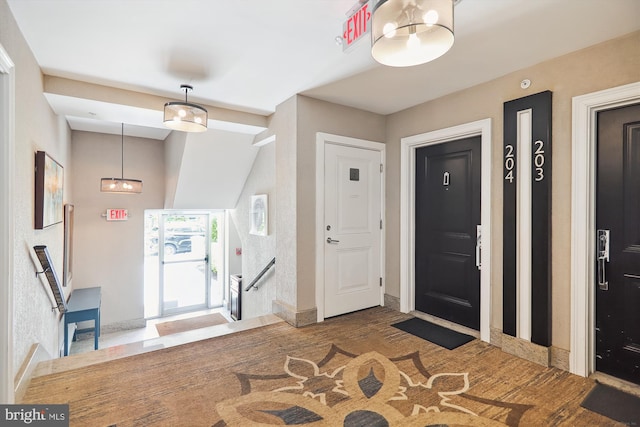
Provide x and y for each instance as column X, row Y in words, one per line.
column 613, row 403
column 434, row 333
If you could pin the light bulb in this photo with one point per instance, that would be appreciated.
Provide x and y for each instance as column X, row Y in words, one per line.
column 112, row 186
column 198, row 120
column 414, row 42
column 182, row 113
column 431, row 17
column 389, row 30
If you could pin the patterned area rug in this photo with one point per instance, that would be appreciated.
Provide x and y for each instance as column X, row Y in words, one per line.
column 353, row 370
column 359, row 390
column 182, row 325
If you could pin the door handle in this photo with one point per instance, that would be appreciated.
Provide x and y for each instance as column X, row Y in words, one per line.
column 602, row 258
column 330, row 240
column 479, row 247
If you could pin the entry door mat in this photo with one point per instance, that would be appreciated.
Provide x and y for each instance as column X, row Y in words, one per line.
column 182, row 325
column 434, row 333
column 613, row 403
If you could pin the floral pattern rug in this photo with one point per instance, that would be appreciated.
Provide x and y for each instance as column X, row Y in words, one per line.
column 358, row 390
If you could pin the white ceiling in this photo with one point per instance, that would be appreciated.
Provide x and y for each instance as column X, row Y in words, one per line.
column 251, row 55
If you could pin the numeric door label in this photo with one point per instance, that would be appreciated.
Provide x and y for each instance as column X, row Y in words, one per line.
column 538, row 161
column 509, row 163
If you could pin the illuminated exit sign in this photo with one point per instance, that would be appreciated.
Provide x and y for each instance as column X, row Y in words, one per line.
column 117, row 214
column 356, row 27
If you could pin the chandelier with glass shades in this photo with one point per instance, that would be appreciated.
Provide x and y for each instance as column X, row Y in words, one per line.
column 411, row 32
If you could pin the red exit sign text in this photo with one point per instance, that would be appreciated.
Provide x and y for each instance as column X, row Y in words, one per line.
column 117, row 215
column 356, row 26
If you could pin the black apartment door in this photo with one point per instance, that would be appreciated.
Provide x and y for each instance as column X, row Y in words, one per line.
column 618, row 213
column 447, row 279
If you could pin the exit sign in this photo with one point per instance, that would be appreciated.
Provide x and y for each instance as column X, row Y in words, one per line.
column 117, row 214
column 356, row 26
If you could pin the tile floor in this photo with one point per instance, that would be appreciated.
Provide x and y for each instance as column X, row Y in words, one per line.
column 84, row 341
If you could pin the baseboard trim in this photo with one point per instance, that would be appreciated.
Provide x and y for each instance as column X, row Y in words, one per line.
column 560, row 358
column 495, row 337
column 392, row 302
column 295, row 318
column 37, row 354
column 526, row 350
column 556, row 357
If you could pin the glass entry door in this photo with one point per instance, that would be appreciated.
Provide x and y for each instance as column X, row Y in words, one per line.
column 184, row 262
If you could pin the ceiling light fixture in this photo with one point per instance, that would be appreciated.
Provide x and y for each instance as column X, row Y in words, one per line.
column 185, row 116
column 411, row 32
column 121, row 185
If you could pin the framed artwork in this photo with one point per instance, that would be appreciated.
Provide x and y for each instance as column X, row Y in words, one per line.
column 259, row 215
column 49, row 184
column 67, row 271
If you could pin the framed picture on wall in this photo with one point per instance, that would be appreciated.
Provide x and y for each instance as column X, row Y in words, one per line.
column 67, row 271
column 48, row 191
column 259, row 215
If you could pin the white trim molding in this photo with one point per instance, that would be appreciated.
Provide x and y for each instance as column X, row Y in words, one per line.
column 583, row 217
column 407, row 209
column 321, row 140
column 523, row 224
column 7, row 161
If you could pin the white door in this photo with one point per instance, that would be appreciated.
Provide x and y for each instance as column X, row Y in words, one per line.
column 352, row 240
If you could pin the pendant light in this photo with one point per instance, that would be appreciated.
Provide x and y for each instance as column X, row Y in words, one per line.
column 185, row 116
column 411, row 32
column 121, row 185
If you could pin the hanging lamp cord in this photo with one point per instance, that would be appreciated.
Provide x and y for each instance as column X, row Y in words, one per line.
column 122, row 153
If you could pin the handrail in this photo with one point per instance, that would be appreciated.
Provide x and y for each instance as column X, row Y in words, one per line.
column 262, row 273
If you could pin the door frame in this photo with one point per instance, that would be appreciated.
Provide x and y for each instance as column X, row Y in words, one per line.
column 7, row 160
column 408, row 148
column 321, row 140
column 583, row 217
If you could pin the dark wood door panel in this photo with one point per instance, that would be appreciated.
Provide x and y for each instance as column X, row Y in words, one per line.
column 447, row 213
column 618, row 210
column 631, row 189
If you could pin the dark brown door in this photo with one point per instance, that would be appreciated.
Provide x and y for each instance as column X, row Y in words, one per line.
column 618, row 211
column 447, row 279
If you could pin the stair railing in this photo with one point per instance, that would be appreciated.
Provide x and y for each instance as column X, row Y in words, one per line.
column 259, row 276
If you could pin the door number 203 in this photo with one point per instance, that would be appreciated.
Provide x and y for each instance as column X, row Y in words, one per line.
column 538, row 161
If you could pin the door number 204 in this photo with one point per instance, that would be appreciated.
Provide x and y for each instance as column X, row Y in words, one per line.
column 538, row 162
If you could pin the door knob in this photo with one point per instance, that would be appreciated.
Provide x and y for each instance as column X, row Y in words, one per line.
column 330, row 240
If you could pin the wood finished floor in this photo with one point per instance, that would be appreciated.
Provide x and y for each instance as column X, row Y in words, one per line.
column 253, row 376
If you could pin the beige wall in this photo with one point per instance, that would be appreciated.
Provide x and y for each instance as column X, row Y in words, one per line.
column 283, row 125
column 257, row 251
column 174, row 144
column 36, row 128
column 319, row 116
column 303, row 118
column 110, row 254
column 606, row 65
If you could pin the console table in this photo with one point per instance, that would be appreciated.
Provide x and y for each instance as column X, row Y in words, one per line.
column 84, row 304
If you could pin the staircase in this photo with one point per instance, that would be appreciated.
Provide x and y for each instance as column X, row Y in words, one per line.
column 131, row 349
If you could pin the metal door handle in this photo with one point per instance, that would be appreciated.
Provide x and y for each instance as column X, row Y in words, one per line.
column 479, row 247
column 330, row 240
column 602, row 258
